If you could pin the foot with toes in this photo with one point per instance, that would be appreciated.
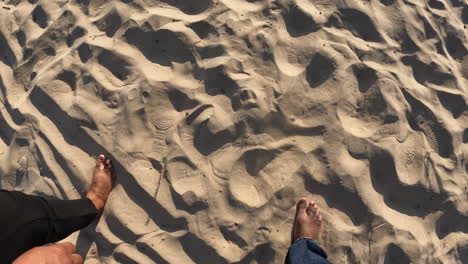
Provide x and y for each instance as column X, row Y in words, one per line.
column 101, row 186
column 308, row 221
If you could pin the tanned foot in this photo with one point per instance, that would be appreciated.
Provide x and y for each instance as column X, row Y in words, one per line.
column 101, row 186
column 308, row 221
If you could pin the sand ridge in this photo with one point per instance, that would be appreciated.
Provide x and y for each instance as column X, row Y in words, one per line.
column 221, row 114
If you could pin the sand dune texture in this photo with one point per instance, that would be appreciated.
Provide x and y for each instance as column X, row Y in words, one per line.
column 220, row 114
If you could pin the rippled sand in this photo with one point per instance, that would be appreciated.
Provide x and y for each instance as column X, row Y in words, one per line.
column 220, row 114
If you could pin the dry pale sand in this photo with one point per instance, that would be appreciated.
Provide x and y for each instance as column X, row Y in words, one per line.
column 220, row 114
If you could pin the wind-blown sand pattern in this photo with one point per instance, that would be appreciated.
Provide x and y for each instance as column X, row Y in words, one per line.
column 220, row 114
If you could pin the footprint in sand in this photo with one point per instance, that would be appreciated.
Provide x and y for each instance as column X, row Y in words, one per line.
column 375, row 111
column 24, row 168
column 422, row 119
column 188, row 181
column 260, row 173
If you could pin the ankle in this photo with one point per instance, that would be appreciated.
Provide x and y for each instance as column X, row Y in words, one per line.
column 98, row 203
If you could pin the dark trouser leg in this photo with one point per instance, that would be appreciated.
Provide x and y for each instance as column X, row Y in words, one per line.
column 306, row 251
column 29, row 221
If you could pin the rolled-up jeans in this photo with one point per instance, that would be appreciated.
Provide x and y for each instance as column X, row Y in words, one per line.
column 306, row 251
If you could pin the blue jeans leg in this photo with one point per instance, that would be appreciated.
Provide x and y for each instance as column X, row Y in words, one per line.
column 306, row 251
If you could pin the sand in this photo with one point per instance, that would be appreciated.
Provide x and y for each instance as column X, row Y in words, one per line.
column 220, row 114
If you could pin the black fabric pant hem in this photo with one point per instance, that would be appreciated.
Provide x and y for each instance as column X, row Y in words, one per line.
column 30, row 221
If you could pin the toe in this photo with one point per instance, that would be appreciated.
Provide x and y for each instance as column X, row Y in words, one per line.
column 100, row 160
column 108, row 165
column 301, row 206
column 310, row 208
column 110, row 168
column 318, row 219
column 317, row 213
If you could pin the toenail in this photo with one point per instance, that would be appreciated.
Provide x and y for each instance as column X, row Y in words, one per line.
column 302, row 203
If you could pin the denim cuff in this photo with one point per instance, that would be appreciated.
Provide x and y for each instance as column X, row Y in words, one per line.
column 306, row 238
column 312, row 244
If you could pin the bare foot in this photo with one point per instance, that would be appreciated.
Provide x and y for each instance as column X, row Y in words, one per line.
column 308, row 221
column 101, row 186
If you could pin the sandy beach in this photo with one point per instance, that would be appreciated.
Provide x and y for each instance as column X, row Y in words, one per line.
column 220, row 114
